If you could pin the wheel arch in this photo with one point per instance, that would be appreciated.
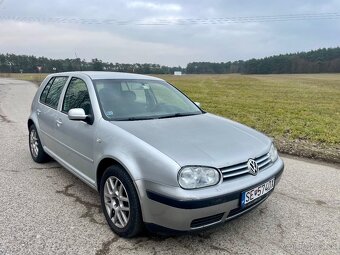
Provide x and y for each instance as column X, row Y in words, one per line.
column 104, row 164
column 33, row 120
column 30, row 122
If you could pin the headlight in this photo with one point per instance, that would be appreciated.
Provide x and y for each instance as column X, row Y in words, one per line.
column 273, row 153
column 193, row 177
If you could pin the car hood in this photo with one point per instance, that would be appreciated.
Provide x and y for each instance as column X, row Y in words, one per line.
column 204, row 139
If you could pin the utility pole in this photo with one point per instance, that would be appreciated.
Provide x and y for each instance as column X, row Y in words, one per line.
column 80, row 65
column 10, row 66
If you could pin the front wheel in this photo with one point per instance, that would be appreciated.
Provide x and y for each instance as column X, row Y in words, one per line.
column 37, row 152
column 120, row 202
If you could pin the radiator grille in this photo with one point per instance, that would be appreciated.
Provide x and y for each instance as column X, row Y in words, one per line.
column 242, row 168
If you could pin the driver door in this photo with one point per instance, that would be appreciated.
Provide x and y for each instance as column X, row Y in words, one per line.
column 76, row 138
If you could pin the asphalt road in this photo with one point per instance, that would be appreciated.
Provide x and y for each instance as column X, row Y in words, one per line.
column 46, row 210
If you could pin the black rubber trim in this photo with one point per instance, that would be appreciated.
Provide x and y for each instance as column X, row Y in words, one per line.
column 192, row 204
column 195, row 204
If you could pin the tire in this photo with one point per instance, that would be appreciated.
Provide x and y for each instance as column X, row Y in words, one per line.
column 114, row 202
column 37, row 152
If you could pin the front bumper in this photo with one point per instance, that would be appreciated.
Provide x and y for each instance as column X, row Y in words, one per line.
column 177, row 210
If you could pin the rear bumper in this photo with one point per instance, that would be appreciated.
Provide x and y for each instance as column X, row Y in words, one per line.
column 174, row 210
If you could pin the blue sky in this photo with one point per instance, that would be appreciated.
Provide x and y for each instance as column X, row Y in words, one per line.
column 171, row 44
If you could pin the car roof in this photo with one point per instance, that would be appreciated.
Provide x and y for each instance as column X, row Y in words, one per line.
column 111, row 75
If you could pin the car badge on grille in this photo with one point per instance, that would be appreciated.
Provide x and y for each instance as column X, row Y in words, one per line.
column 253, row 167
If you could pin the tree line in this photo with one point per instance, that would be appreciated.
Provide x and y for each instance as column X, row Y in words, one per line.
column 315, row 61
column 31, row 64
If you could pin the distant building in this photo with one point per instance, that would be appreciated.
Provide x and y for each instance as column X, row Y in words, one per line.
column 177, row 73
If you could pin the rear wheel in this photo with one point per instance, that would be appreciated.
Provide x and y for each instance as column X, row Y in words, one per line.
column 120, row 202
column 37, row 152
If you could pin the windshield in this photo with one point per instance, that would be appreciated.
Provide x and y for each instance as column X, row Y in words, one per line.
column 141, row 99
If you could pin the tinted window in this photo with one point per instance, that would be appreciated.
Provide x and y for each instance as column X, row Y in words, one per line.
column 54, row 92
column 77, row 96
column 45, row 91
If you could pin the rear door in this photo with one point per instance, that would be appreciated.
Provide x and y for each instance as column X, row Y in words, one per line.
column 47, row 110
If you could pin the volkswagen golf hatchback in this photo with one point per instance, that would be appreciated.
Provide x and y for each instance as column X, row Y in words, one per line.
column 156, row 158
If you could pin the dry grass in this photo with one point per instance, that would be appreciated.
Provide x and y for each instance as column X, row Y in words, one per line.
column 301, row 112
column 290, row 106
column 33, row 77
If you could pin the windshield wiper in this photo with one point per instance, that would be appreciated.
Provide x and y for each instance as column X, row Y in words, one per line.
column 177, row 115
column 135, row 118
column 155, row 117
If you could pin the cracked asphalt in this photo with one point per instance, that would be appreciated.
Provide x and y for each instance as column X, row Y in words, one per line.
column 46, row 210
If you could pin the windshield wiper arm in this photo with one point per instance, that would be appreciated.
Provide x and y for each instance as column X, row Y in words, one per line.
column 177, row 115
column 134, row 118
column 155, row 117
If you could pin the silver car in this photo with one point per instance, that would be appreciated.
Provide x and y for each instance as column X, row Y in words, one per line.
column 157, row 159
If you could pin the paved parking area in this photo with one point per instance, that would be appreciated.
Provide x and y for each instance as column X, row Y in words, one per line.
column 46, row 210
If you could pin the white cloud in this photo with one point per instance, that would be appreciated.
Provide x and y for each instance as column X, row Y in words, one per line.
column 167, row 37
column 62, row 41
column 155, row 6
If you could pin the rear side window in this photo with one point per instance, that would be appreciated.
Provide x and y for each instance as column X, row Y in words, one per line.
column 77, row 96
column 45, row 91
column 54, row 91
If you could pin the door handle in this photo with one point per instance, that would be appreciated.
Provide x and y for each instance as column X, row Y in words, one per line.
column 38, row 112
column 59, row 123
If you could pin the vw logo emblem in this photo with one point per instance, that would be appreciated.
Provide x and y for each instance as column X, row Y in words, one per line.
column 252, row 167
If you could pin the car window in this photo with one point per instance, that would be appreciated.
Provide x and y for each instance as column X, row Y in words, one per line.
column 161, row 93
column 54, row 91
column 45, row 91
column 141, row 99
column 125, row 86
column 138, row 90
column 77, row 96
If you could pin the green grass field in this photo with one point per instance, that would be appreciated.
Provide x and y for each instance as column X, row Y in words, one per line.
column 299, row 111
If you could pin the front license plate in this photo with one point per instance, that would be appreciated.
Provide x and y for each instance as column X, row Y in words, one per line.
column 257, row 192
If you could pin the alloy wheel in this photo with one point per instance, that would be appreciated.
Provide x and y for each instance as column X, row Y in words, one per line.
column 34, row 143
column 117, row 202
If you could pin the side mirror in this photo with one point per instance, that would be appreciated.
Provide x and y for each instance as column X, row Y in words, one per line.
column 77, row 114
column 198, row 104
